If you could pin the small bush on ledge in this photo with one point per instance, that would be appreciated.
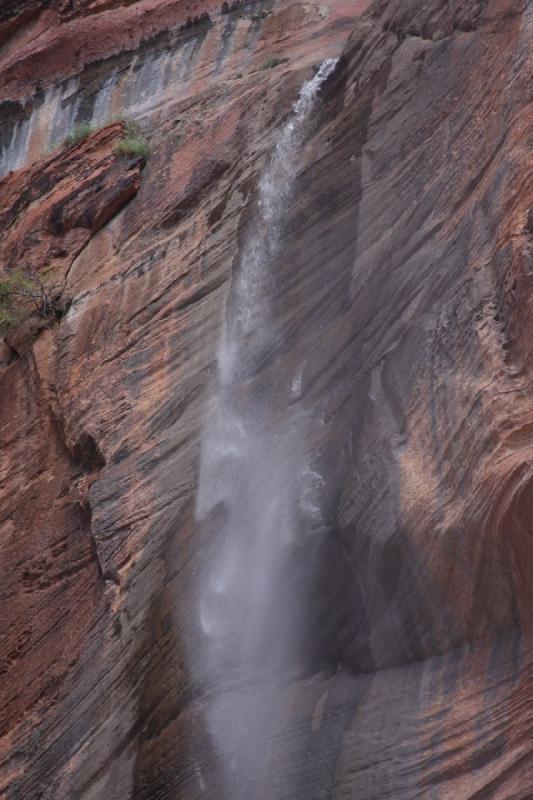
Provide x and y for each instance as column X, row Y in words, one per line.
column 22, row 292
column 133, row 144
column 133, row 147
column 79, row 134
column 273, row 61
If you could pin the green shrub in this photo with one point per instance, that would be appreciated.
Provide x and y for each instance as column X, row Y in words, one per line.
column 133, row 129
column 23, row 292
column 11, row 300
column 8, row 316
column 13, row 287
column 82, row 131
column 133, row 147
column 273, row 61
column 79, row 133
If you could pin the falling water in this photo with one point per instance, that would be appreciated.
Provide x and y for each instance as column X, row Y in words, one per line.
column 258, row 497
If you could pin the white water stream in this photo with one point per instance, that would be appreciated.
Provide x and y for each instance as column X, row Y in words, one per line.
column 258, row 497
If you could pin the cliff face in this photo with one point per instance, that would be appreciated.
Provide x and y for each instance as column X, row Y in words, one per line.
column 405, row 302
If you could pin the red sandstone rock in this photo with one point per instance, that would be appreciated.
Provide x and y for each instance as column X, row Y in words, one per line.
column 61, row 45
column 50, row 211
column 117, row 389
column 408, row 301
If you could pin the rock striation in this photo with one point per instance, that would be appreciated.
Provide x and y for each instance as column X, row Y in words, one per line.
column 404, row 304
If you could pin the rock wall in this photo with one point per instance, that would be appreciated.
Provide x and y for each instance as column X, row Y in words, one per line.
column 405, row 301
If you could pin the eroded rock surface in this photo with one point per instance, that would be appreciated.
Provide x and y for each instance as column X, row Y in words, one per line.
column 50, row 211
column 405, row 308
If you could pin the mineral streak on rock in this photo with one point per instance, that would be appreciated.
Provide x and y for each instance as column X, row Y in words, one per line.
column 136, row 58
column 406, row 313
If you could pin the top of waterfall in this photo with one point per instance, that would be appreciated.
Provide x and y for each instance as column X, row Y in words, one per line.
column 311, row 87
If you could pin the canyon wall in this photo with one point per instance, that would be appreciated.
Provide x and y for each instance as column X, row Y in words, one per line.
column 404, row 306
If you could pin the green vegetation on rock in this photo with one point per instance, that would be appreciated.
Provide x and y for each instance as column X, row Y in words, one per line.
column 79, row 134
column 22, row 293
column 273, row 61
column 133, row 147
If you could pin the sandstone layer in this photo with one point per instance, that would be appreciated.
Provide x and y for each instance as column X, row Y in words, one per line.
column 404, row 299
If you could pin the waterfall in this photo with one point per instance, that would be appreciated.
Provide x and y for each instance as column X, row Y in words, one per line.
column 258, row 499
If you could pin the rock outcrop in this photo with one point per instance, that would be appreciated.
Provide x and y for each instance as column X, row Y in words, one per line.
column 50, row 211
column 405, row 301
